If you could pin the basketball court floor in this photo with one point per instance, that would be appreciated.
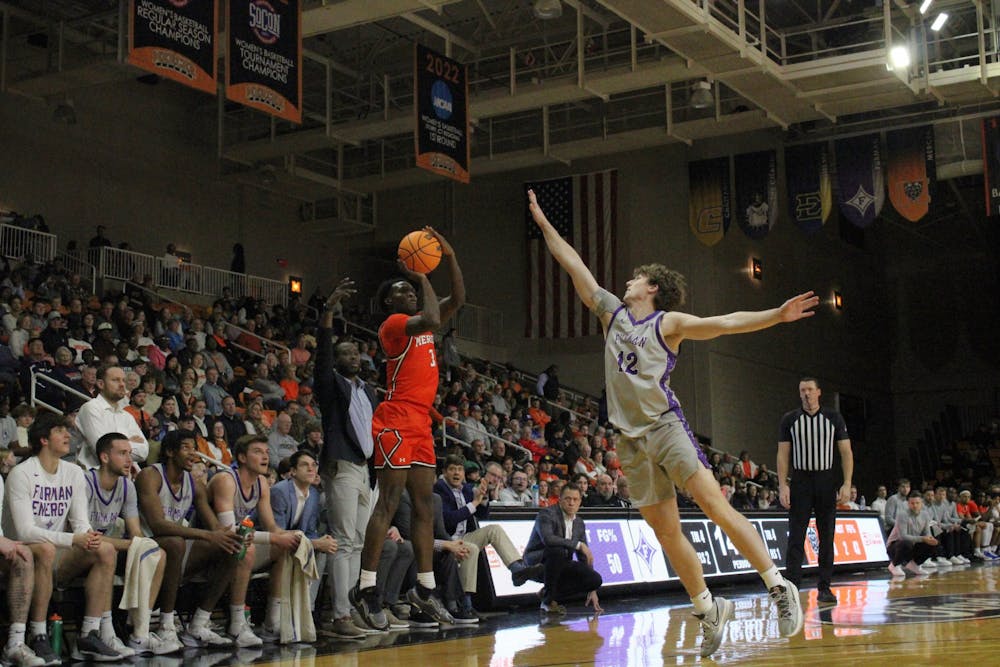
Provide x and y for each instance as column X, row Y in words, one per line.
column 950, row 617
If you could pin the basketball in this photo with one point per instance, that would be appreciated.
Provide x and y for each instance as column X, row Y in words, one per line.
column 420, row 252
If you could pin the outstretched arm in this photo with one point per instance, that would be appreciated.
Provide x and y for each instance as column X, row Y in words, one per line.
column 583, row 280
column 451, row 303
column 681, row 325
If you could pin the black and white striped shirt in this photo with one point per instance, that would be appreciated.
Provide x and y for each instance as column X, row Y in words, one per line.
column 813, row 437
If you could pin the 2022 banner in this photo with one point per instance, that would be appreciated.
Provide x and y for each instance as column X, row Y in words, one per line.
column 264, row 56
column 441, row 91
column 175, row 39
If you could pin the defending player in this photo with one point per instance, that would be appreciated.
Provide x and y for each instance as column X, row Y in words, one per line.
column 643, row 333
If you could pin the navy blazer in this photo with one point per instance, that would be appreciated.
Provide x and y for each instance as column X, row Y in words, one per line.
column 549, row 531
column 333, row 395
column 453, row 514
column 284, row 502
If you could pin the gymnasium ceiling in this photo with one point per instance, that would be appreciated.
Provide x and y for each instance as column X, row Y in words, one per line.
column 605, row 77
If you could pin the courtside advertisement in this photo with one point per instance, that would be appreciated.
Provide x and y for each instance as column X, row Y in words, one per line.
column 441, row 90
column 626, row 550
column 176, row 40
column 264, row 56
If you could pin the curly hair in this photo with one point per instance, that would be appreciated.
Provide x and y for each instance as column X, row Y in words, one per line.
column 673, row 287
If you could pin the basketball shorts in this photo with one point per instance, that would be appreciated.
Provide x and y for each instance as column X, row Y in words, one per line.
column 402, row 435
column 664, row 456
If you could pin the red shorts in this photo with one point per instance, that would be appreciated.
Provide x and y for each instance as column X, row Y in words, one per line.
column 402, row 435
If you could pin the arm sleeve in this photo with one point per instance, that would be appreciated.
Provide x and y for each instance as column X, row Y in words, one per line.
column 605, row 302
column 840, row 427
column 23, row 521
column 785, row 430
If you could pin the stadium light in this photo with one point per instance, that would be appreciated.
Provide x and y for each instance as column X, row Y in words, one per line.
column 939, row 21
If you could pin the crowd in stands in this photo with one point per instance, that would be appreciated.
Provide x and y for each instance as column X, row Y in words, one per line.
column 160, row 378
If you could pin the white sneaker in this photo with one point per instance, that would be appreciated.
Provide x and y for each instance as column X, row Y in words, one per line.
column 713, row 625
column 245, row 638
column 153, row 644
column 978, row 553
column 913, row 568
column 942, row 561
column 896, row 570
column 929, row 564
column 118, row 645
column 956, row 560
column 170, row 635
column 965, row 561
column 786, row 597
column 20, row 655
column 204, row 637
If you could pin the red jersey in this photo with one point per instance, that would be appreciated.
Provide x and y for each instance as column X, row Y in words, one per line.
column 411, row 368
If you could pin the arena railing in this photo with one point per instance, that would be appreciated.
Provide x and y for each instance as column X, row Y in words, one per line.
column 75, row 264
column 468, row 445
column 49, row 380
column 266, row 343
column 20, row 242
column 156, row 295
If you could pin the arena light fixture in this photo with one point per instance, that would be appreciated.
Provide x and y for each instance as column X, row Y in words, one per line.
column 756, row 268
column 547, row 10
column 838, row 300
column 925, row 5
column 295, row 284
column 939, row 21
column 899, row 57
column 701, row 95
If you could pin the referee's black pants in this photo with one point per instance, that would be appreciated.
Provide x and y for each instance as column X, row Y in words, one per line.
column 811, row 490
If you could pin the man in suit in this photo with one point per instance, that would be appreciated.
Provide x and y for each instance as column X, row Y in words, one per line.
column 347, row 404
column 461, row 505
column 557, row 536
column 295, row 503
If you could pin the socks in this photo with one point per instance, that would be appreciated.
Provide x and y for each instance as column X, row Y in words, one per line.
column 90, row 623
column 426, row 579
column 16, row 635
column 199, row 621
column 467, row 602
column 273, row 613
column 166, row 620
column 703, row 602
column 772, row 577
column 237, row 618
column 107, row 626
column 367, row 579
column 38, row 628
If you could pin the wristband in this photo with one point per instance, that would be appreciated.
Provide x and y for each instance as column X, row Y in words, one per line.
column 261, row 537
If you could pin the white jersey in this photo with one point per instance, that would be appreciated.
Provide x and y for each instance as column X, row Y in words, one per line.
column 637, row 365
column 243, row 505
column 105, row 507
column 176, row 507
column 38, row 505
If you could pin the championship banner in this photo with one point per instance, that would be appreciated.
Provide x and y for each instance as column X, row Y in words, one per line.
column 991, row 164
column 757, row 193
column 859, row 175
column 441, row 90
column 810, row 188
column 176, row 40
column 910, row 170
column 709, row 199
column 264, row 56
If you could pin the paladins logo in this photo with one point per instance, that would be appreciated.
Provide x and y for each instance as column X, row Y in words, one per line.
column 940, row 608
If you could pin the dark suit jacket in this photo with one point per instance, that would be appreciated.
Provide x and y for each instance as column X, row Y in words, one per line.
column 333, row 395
column 548, row 531
column 453, row 514
column 284, row 502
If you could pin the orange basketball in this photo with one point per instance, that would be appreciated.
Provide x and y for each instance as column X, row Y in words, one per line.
column 420, row 252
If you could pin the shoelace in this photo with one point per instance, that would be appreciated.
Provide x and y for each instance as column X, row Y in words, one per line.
column 781, row 599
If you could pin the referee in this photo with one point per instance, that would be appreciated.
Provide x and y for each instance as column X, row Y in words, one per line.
column 807, row 438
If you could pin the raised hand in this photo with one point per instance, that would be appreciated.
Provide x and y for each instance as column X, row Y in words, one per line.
column 446, row 248
column 799, row 307
column 344, row 289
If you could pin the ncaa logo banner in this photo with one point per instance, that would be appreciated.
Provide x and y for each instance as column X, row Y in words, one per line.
column 810, row 188
column 757, row 193
column 441, row 91
column 176, row 40
column 911, row 171
column 859, row 175
column 709, row 199
column 991, row 164
column 264, row 56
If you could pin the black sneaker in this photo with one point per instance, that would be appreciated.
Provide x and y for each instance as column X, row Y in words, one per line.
column 421, row 621
column 464, row 616
column 530, row 572
column 368, row 604
column 826, row 596
column 42, row 647
column 429, row 605
column 91, row 647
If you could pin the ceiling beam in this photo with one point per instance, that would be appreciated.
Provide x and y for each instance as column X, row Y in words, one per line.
column 443, row 33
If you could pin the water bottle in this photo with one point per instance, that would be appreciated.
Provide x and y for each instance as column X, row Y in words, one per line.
column 246, row 527
column 56, row 633
column 863, row 503
column 534, row 494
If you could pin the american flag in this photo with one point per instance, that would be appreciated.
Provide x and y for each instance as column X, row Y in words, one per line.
column 584, row 210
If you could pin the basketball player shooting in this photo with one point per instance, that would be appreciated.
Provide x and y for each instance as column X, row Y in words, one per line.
column 401, row 430
column 657, row 449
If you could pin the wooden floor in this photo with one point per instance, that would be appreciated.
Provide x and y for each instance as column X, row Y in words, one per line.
column 948, row 618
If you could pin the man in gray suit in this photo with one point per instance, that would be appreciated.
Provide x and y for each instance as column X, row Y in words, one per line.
column 558, row 535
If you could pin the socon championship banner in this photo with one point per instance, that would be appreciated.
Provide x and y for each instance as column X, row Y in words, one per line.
column 991, row 164
column 176, row 40
column 709, row 199
column 441, row 90
column 264, row 56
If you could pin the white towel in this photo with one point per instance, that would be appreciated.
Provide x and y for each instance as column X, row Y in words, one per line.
column 143, row 557
column 296, row 611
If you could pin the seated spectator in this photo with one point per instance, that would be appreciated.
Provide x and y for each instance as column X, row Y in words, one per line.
column 280, row 442
column 23, row 416
column 255, row 422
column 106, row 414
column 748, row 469
column 167, row 416
column 217, row 446
column 896, row 503
column 235, row 426
column 517, row 493
column 603, row 494
column 740, row 499
column 910, row 541
column 136, row 408
column 880, row 501
column 621, row 485
column 290, row 383
column 544, row 499
column 557, row 536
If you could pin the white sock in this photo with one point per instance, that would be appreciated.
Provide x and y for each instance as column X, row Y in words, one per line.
column 237, row 617
column 37, row 628
column 200, row 619
column 772, row 577
column 90, row 623
column 273, row 613
column 107, row 626
column 703, row 602
column 16, row 635
column 166, row 619
column 367, row 579
column 426, row 579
